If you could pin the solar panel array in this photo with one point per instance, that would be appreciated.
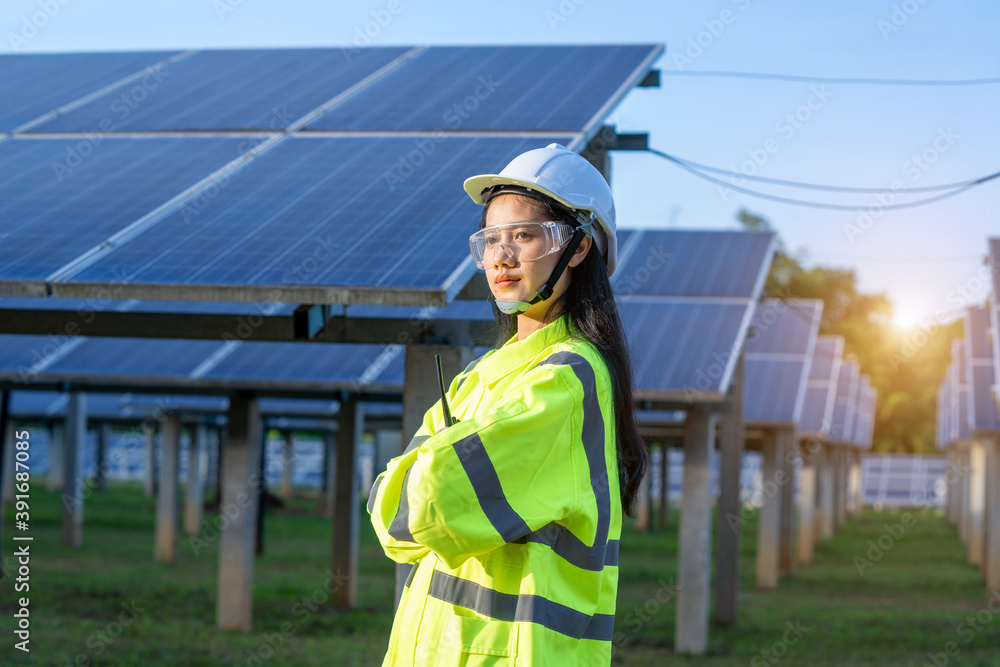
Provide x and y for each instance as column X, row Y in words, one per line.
column 982, row 405
column 228, row 196
column 821, row 391
column 845, row 407
column 687, row 299
column 779, row 355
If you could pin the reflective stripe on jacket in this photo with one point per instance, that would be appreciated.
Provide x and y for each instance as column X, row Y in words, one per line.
column 512, row 517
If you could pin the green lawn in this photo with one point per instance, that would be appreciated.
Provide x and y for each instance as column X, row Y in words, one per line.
column 109, row 602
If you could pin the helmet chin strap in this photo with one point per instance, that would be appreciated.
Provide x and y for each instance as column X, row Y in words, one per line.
column 545, row 291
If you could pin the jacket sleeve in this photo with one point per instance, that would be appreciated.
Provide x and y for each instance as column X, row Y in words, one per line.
column 488, row 480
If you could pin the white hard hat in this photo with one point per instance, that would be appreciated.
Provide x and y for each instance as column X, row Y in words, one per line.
column 563, row 175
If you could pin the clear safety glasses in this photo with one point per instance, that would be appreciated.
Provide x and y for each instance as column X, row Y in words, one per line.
column 521, row 241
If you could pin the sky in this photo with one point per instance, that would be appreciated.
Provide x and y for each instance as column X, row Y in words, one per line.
column 929, row 260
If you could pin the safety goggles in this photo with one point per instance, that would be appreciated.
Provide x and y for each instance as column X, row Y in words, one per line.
column 521, row 241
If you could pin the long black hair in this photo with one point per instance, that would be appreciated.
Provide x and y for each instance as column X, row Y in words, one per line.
column 590, row 303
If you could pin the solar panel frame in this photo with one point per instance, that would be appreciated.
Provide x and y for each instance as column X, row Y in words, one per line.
column 778, row 360
column 983, row 413
column 169, row 251
column 231, row 90
column 52, row 83
column 824, row 374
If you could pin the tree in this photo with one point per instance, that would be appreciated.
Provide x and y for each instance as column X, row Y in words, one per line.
column 906, row 367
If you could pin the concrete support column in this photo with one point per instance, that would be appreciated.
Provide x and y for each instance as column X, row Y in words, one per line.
column 194, row 491
column 388, row 445
column 166, row 499
column 420, row 392
column 828, row 512
column 977, row 501
column 57, row 439
column 729, row 528
column 346, row 520
column 330, row 457
column 149, row 486
column 9, row 459
column 769, row 516
column 104, row 435
column 789, row 453
column 287, row 462
column 695, row 557
column 807, row 509
column 73, row 445
column 991, row 556
column 240, row 489
column 664, row 519
column 965, row 524
column 642, row 501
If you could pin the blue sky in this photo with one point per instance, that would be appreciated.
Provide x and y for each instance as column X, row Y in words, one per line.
column 928, row 259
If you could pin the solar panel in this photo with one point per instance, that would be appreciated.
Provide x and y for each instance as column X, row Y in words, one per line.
column 335, row 217
column 681, row 351
column 692, row 263
column 178, row 307
column 779, row 352
column 56, row 206
column 35, row 84
column 821, row 391
column 995, row 270
column 863, row 416
column 841, row 429
column 240, row 89
column 548, row 88
column 982, row 406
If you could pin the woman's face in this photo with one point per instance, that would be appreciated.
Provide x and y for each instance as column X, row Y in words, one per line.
column 513, row 280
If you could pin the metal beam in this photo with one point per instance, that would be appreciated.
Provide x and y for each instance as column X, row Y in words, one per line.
column 312, row 323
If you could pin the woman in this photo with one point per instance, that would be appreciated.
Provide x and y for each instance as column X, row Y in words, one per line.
column 512, row 515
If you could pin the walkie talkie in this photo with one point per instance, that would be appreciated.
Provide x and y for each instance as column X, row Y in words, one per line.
column 448, row 419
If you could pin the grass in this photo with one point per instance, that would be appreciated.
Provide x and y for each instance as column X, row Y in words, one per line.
column 910, row 602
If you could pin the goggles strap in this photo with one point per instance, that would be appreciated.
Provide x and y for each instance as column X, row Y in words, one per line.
column 545, row 291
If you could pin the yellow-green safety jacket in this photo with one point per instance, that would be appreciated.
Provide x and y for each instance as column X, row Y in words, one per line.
column 512, row 516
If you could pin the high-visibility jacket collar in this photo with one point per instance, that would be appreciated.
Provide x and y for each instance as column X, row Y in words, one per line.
column 515, row 353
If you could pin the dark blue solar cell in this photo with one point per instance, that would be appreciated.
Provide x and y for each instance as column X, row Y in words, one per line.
column 135, row 357
column 92, row 188
column 379, row 213
column 683, row 350
column 977, row 340
column 265, row 89
column 354, row 367
column 780, row 327
column 982, row 406
column 772, row 391
column 995, row 264
column 555, row 88
column 817, row 411
column 842, row 428
column 692, row 263
column 36, row 84
column 826, row 358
